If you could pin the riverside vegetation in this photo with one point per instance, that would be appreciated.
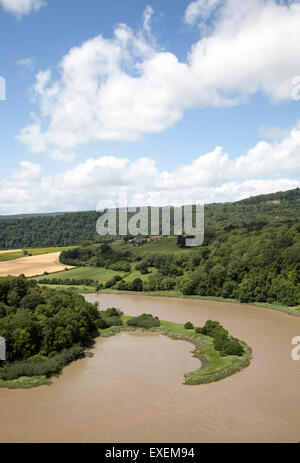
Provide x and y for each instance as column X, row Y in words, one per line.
column 221, row 355
column 46, row 329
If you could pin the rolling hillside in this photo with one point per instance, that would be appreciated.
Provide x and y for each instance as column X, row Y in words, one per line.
column 67, row 229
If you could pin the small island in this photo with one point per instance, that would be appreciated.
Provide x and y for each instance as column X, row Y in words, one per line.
column 46, row 329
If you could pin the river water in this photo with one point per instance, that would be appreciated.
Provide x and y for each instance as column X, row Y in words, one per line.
column 132, row 391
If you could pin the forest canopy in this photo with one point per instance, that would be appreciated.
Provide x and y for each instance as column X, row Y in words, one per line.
column 74, row 228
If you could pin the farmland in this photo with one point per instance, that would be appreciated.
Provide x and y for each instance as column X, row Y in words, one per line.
column 32, row 265
column 164, row 244
column 12, row 254
column 100, row 275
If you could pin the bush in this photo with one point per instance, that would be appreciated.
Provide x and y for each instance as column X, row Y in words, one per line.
column 142, row 267
column 144, row 321
column 189, row 326
column 31, row 301
column 110, row 317
column 231, row 346
column 223, row 343
column 121, row 266
column 41, row 367
column 137, row 285
column 187, row 286
column 110, row 283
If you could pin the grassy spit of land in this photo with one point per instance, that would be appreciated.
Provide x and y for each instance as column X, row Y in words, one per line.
column 25, row 382
column 214, row 367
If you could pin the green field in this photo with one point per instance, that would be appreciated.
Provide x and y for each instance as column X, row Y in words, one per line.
column 75, row 289
column 163, row 245
column 33, row 252
column 10, row 256
column 99, row 274
column 137, row 274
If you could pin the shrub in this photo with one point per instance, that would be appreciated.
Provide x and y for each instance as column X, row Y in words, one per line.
column 137, row 285
column 223, row 343
column 121, row 266
column 31, row 301
column 110, row 283
column 186, row 286
column 144, row 321
column 41, row 367
column 189, row 326
column 110, row 317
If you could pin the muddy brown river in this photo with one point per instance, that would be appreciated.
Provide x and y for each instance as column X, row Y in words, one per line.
column 132, row 391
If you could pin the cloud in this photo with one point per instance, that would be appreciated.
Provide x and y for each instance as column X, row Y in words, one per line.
column 26, row 62
column 147, row 16
column 212, row 177
column 273, row 133
column 21, row 7
column 200, row 9
column 127, row 86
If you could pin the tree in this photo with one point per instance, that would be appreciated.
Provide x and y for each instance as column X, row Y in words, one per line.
column 137, row 285
column 189, row 326
column 180, row 241
column 186, row 286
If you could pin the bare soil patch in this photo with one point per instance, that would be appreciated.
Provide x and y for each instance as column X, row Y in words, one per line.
column 32, row 265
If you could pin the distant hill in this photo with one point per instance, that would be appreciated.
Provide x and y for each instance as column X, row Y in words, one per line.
column 259, row 210
column 28, row 216
column 72, row 228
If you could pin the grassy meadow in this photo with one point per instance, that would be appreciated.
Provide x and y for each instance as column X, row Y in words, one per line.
column 99, row 274
column 164, row 245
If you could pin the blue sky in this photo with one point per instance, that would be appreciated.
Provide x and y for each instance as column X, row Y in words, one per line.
column 237, row 98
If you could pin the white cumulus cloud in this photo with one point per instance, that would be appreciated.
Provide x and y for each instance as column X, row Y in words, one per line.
column 200, row 10
column 211, row 177
column 127, row 86
column 21, row 7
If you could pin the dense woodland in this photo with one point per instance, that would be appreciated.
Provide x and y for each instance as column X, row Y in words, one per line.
column 260, row 264
column 69, row 229
column 45, row 329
